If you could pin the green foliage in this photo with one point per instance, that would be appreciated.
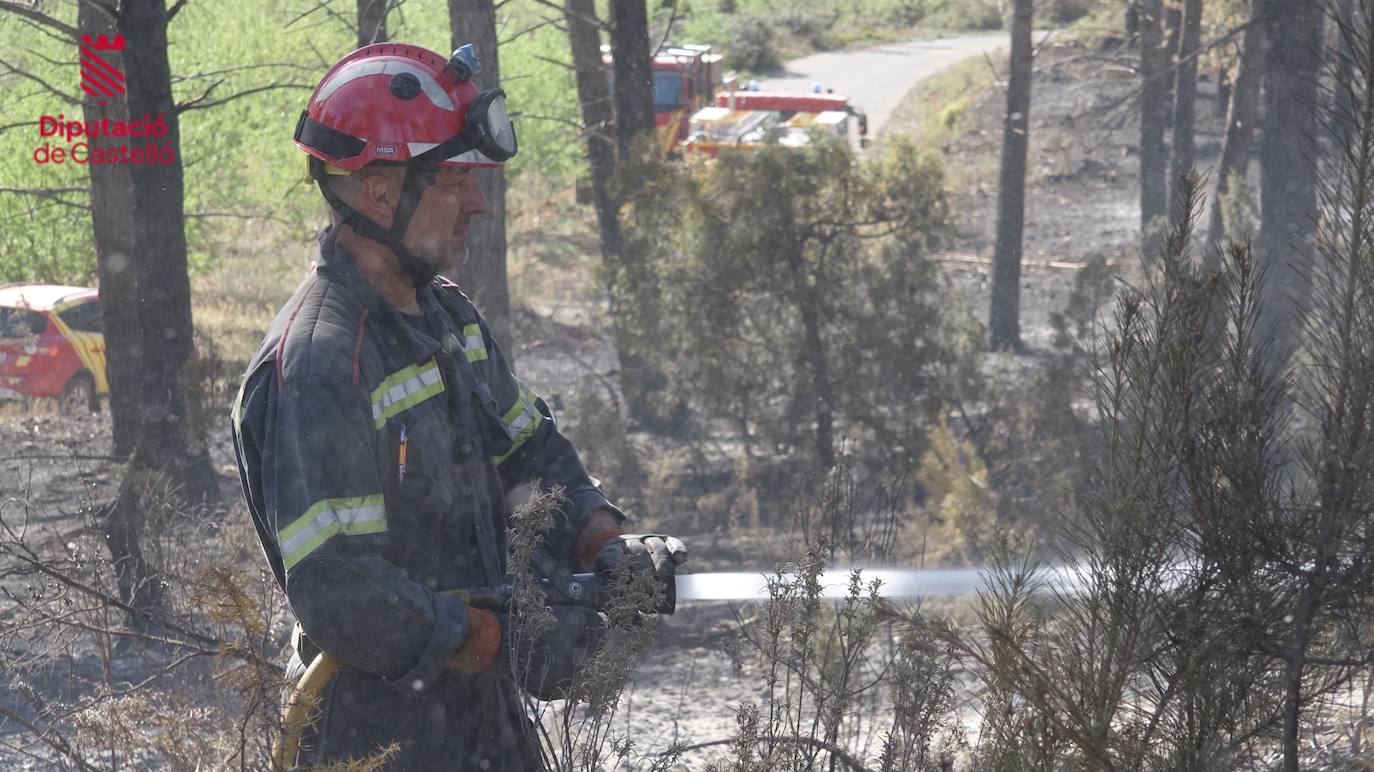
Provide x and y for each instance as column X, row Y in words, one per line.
column 798, row 28
column 953, row 113
column 961, row 14
column 943, row 107
column 798, row 292
column 1065, row 11
column 599, row 432
column 751, row 47
column 960, row 505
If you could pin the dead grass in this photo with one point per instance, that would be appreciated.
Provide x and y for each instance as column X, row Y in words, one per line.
column 945, row 107
column 255, row 269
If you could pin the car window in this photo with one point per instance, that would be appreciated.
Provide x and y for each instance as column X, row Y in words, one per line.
column 85, row 317
column 21, row 323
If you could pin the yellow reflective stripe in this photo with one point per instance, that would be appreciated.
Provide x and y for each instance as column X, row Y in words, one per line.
column 87, row 346
column 405, row 389
column 236, row 412
column 473, row 345
column 354, row 516
column 521, row 421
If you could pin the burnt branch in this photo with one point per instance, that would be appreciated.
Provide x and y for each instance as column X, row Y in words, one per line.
column 25, row 74
column 201, row 103
column 53, row 194
column 32, row 14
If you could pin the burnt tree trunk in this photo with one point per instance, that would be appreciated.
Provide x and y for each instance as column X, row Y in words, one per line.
column 1173, row 25
column 812, row 353
column 112, row 227
column 594, row 95
column 1223, row 91
column 1181, row 157
column 634, row 122
column 1154, row 155
column 372, row 22
column 634, row 85
column 1004, row 325
column 1241, row 119
column 112, row 230
column 169, row 444
column 484, row 274
column 1288, row 184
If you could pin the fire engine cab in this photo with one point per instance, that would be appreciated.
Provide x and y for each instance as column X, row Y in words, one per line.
column 686, row 78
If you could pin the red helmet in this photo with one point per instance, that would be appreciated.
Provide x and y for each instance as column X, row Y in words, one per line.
column 394, row 101
column 408, row 105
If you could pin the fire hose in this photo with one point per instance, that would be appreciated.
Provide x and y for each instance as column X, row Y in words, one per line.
column 587, row 591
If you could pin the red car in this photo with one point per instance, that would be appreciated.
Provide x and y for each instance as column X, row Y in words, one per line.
column 52, row 344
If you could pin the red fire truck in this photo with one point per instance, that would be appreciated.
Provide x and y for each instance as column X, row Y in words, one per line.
column 686, row 78
column 751, row 119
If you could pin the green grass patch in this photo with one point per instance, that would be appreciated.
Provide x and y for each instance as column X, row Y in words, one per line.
column 945, row 107
column 940, row 107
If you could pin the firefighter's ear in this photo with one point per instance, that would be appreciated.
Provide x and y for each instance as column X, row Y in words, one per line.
column 378, row 190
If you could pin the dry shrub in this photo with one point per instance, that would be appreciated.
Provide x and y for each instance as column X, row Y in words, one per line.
column 189, row 684
column 846, row 683
column 575, row 732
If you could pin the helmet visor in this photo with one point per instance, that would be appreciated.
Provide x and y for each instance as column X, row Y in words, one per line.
column 487, row 138
column 496, row 126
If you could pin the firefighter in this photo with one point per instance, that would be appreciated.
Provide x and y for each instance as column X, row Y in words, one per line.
column 379, row 431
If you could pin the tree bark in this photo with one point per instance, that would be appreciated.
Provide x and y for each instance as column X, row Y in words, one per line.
column 1241, row 121
column 594, row 94
column 372, row 22
column 1181, row 157
column 169, row 443
column 1288, row 185
column 634, row 121
column 1223, row 91
column 484, row 274
column 121, row 522
column 634, row 85
column 598, row 121
column 1004, row 316
column 813, row 356
column 1173, row 25
column 112, row 230
column 1153, row 103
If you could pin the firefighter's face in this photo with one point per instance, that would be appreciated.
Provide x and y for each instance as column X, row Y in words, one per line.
column 438, row 232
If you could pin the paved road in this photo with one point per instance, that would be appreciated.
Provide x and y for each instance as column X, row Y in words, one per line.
column 875, row 79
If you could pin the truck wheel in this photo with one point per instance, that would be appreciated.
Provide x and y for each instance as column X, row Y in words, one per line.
column 79, row 396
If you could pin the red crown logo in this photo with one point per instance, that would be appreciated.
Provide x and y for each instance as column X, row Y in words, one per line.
column 103, row 43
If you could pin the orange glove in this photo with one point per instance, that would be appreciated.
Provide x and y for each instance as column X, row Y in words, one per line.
column 483, row 642
column 590, row 544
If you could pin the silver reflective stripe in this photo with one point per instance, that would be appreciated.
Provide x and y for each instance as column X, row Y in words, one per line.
column 474, row 347
column 470, row 157
column 521, row 421
column 352, row 72
column 353, row 516
column 405, row 389
column 236, row 413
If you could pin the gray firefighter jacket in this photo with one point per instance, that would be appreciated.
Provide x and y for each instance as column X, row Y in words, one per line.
column 375, row 460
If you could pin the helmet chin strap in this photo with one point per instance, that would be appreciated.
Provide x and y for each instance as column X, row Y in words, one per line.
column 418, row 178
